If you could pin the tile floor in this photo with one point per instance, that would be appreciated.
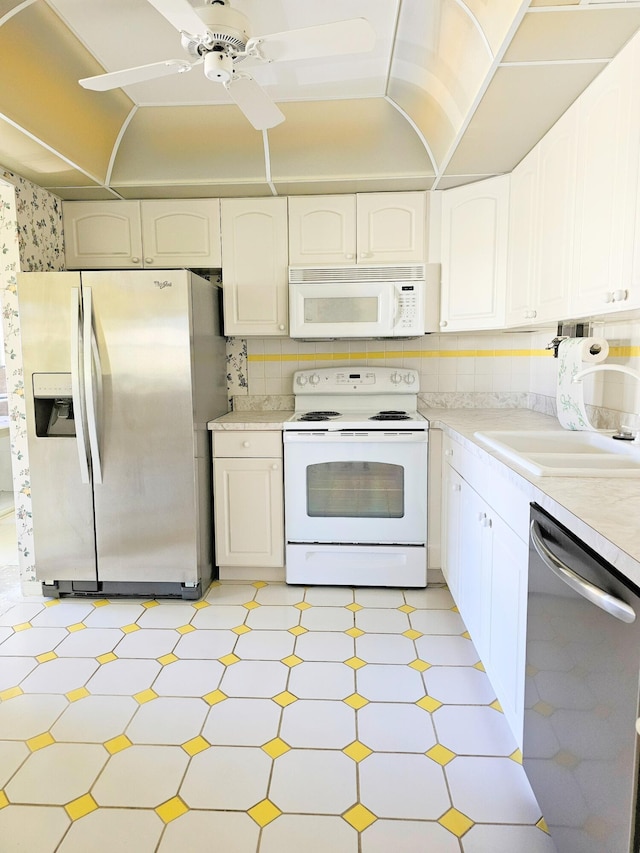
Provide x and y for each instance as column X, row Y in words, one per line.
column 262, row 719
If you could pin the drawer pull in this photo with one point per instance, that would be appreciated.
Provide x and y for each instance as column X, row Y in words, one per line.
column 246, row 444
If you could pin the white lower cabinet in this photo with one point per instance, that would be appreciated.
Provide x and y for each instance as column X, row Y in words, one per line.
column 248, row 502
column 485, row 565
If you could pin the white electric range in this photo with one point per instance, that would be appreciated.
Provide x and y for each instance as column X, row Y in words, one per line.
column 355, row 457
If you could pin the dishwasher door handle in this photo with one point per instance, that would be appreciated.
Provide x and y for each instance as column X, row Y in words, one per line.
column 609, row 603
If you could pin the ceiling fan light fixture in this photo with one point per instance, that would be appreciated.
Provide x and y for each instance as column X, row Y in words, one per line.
column 218, row 66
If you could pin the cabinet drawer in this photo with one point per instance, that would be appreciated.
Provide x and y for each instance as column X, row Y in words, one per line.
column 247, row 443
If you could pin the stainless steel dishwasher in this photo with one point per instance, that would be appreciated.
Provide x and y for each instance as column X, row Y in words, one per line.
column 581, row 692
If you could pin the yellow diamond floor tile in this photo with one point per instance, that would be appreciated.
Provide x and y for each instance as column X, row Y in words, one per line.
column 263, row 719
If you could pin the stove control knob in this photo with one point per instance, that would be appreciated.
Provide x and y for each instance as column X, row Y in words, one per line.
column 409, row 378
column 396, row 378
column 301, row 380
column 314, row 379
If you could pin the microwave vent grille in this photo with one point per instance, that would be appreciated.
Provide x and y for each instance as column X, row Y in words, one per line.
column 365, row 273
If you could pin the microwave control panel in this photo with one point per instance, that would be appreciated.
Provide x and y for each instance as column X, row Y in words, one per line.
column 407, row 305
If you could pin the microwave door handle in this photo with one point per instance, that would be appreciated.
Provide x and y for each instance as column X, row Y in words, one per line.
column 396, row 306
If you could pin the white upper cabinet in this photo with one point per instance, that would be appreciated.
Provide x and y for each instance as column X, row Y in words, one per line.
column 555, row 217
column 322, row 229
column 367, row 228
column 541, row 223
column 181, row 233
column 254, row 263
column 102, row 234
column 522, row 244
column 391, row 228
column 124, row 234
column 475, row 222
column 606, row 191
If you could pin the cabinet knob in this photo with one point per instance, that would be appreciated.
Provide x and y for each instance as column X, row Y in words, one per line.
column 534, row 314
column 448, row 453
column 135, row 260
column 148, row 260
column 281, row 327
column 443, row 324
column 457, row 487
column 482, row 516
column 274, row 467
column 246, row 444
column 349, row 256
column 619, row 295
column 608, row 297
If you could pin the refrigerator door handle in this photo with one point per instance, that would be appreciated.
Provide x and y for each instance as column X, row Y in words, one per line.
column 92, row 367
column 76, row 388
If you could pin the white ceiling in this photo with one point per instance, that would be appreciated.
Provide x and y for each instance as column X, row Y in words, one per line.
column 453, row 91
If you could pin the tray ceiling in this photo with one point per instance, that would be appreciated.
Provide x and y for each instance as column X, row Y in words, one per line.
column 453, row 91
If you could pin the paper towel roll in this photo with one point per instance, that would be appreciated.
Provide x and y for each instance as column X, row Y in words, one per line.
column 573, row 355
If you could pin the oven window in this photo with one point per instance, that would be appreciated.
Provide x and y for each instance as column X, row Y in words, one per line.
column 355, row 490
column 341, row 309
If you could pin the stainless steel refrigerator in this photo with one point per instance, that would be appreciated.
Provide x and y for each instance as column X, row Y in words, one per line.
column 122, row 371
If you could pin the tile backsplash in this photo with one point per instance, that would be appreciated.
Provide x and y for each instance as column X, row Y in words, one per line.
column 449, row 364
column 484, row 370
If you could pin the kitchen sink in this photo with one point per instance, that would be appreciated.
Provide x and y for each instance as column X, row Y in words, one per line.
column 566, row 454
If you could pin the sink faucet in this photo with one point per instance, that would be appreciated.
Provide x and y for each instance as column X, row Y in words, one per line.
column 597, row 367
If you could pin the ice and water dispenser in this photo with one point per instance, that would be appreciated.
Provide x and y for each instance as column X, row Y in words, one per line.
column 53, row 405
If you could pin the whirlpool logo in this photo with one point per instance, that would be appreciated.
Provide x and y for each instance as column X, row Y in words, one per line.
column 162, row 284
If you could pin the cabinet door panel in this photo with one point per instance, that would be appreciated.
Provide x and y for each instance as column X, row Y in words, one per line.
column 507, row 622
column 555, row 219
column 522, row 242
column 248, row 509
column 451, row 493
column 607, row 169
column 102, row 234
column 474, row 255
column 322, row 229
column 391, row 227
column 255, row 260
column 181, row 232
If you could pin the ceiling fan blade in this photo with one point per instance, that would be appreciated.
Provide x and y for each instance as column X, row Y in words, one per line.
column 115, row 79
column 355, row 35
column 254, row 102
column 181, row 15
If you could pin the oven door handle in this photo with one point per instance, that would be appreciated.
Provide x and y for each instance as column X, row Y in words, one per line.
column 609, row 603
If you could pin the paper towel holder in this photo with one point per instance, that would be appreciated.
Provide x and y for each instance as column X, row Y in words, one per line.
column 569, row 330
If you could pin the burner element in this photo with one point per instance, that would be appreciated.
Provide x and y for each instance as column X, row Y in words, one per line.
column 319, row 416
column 391, row 416
column 392, row 412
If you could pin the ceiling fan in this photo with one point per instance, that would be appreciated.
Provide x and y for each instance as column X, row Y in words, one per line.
column 219, row 38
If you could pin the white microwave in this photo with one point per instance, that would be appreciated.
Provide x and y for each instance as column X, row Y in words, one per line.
column 399, row 301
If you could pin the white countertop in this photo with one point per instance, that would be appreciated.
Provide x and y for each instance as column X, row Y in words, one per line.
column 251, row 420
column 603, row 512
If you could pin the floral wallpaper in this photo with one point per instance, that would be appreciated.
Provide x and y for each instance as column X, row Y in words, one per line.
column 31, row 239
column 237, row 374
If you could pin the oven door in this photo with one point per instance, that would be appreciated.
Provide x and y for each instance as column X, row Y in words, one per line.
column 356, row 487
